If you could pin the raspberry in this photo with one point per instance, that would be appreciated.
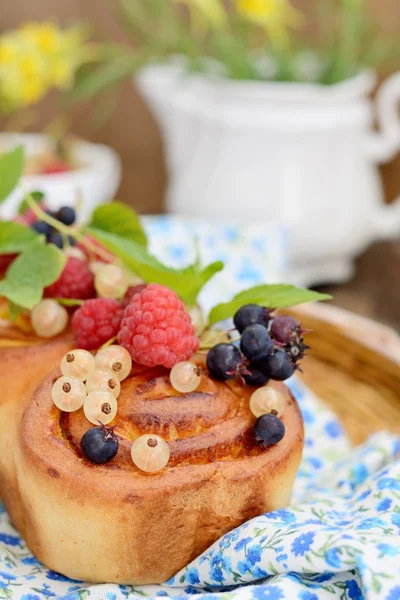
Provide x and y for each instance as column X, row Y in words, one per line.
column 97, row 321
column 156, row 330
column 131, row 292
column 5, row 262
column 76, row 281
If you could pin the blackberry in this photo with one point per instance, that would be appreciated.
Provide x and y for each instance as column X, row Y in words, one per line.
column 223, row 361
column 256, row 344
column 250, row 314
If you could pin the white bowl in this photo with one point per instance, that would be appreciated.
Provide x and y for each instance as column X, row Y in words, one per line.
column 94, row 183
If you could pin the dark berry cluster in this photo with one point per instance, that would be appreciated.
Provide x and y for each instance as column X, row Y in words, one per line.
column 270, row 348
column 65, row 215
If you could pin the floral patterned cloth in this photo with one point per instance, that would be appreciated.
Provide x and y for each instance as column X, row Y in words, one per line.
column 340, row 539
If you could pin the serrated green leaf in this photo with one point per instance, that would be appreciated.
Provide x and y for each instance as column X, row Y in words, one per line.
column 14, row 238
column 36, row 268
column 187, row 282
column 120, row 219
column 270, row 296
column 11, row 166
column 36, row 196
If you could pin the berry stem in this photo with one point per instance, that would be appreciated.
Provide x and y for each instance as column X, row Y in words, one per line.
column 65, row 230
column 109, row 342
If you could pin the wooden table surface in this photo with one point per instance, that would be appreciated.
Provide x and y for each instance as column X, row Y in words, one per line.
column 375, row 289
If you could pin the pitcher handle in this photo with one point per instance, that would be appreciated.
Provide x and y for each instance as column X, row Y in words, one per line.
column 385, row 144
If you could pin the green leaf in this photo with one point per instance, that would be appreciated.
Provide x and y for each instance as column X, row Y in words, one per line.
column 35, row 196
column 270, row 296
column 187, row 282
column 11, row 166
column 14, row 311
column 118, row 218
column 69, row 301
column 14, row 238
column 104, row 76
column 36, row 268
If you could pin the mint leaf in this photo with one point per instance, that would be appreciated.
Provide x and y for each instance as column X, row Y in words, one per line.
column 118, row 218
column 36, row 268
column 187, row 282
column 35, row 196
column 11, row 165
column 270, row 296
column 14, row 238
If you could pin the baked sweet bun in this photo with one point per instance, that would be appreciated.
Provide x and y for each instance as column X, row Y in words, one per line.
column 113, row 522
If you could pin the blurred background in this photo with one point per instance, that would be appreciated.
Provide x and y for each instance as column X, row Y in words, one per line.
column 123, row 120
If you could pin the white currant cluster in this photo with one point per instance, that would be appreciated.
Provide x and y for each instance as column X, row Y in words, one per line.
column 92, row 382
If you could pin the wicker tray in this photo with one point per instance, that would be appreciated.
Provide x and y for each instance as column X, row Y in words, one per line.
column 354, row 366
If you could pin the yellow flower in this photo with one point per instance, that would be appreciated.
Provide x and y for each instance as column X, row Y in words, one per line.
column 274, row 15
column 46, row 36
column 36, row 57
column 7, row 52
column 62, row 73
column 211, row 10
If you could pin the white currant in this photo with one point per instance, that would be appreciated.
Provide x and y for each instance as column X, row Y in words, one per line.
column 77, row 363
column 100, row 406
column 68, row 394
column 185, row 377
column 115, row 359
column 111, row 282
column 150, row 453
column 103, row 380
column 49, row 318
column 266, row 400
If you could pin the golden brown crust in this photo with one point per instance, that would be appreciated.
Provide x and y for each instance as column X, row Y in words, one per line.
column 113, row 522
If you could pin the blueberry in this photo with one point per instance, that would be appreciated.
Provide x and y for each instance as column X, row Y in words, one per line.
column 56, row 239
column 284, row 328
column 269, row 430
column 66, row 215
column 42, row 227
column 223, row 361
column 250, row 314
column 256, row 344
column 99, row 445
column 279, row 366
column 255, row 376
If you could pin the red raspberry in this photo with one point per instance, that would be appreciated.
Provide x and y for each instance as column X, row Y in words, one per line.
column 5, row 262
column 156, row 330
column 76, row 281
column 97, row 321
column 131, row 292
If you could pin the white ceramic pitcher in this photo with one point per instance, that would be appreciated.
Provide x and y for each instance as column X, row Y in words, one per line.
column 301, row 155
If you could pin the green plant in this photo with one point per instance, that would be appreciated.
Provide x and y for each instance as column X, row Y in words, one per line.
column 244, row 39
